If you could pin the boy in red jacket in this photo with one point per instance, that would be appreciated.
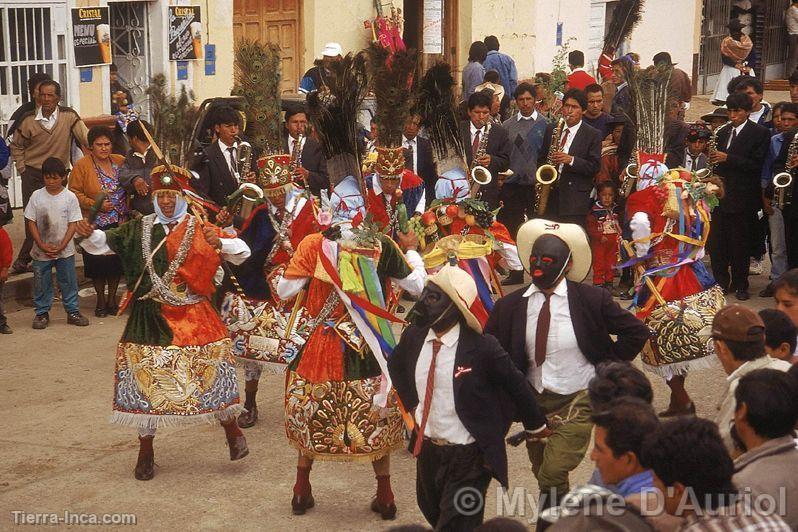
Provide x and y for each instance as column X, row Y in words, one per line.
column 6, row 255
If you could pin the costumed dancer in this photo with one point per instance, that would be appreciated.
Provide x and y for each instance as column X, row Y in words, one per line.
column 173, row 364
column 272, row 215
column 669, row 220
column 734, row 50
column 391, row 184
column 454, row 378
column 339, row 404
column 266, row 331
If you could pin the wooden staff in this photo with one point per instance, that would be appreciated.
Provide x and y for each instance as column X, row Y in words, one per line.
column 641, row 270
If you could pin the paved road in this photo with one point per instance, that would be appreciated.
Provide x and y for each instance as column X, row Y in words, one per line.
column 58, row 453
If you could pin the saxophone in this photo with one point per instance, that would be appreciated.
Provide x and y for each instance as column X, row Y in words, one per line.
column 712, row 147
column 244, row 158
column 630, row 175
column 783, row 181
column 547, row 174
column 296, row 156
column 480, row 176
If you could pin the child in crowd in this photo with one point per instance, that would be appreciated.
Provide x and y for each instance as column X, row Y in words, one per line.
column 604, row 230
column 6, row 256
column 786, row 294
column 781, row 335
column 610, row 169
column 695, row 156
column 51, row 215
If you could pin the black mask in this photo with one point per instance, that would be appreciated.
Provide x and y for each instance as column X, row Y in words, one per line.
column 548, row 261
column 434, row 309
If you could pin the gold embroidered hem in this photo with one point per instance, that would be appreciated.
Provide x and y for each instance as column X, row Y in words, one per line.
column 258, row 331
column 336, row 420
column 681, row 336
column 165, row 386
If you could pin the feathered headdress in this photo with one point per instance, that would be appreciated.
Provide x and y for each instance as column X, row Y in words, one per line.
column 257, row 79
column 435, row 103
column 625, row 17
column 650, row 100
column 391, row 81
column 333, row 113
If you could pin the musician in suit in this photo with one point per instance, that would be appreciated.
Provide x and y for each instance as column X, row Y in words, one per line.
column 497, row 151
column 577, row 160
column 217, row 166
column 313, row 168
column 418, row 155
column 530, row 137
column 741, row 149
column 456, row 381
column 557, row 331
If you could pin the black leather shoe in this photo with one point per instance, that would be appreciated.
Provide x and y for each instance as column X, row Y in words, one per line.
column 299, row 505
column 248, row 418
column 768, row 291
column 742, row 295
column 673, row 412
column 386, row 511
column 238, row 448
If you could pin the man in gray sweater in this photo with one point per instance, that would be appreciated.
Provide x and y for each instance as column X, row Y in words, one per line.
column 529, row 134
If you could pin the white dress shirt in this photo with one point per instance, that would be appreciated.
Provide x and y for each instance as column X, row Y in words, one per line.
column 565, row 369
column 49, row 122
column 474, row 132
column 533, row 116
column 412, row 144
column 442, row 420
column 231, row 158
column 234, row 250
column 422, row 202
column 566, row 148
column 738, row 129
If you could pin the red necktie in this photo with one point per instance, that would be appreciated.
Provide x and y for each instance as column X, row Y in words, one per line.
column 475, row 144
column 542, row 331
column 436, row 346
column 564, row 138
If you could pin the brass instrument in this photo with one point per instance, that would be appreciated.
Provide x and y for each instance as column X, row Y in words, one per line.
column 478, row 174
column 630, row 175
column 712, row 147
column 296, row 155
column 783, row 182
column 244, row 200
column 547, row 174
column 244, row 158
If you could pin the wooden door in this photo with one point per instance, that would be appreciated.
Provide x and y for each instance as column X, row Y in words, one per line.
column 275, row 21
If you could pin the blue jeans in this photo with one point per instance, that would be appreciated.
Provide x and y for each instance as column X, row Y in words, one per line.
column 778, row 244
column 43, row 284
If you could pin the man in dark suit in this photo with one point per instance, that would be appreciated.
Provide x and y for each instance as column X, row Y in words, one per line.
column 313, row 168
column 497, row 152
column 217, row 165
column 134, row 175
column 742, row 147
column 456, row 380
column 418, row 156
column 577, row 160
column 556, row 331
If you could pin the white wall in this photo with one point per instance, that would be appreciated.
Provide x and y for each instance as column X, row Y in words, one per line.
column 668, row 26
column 326, row 21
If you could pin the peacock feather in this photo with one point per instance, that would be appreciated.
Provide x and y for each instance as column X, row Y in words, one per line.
column 257, row 80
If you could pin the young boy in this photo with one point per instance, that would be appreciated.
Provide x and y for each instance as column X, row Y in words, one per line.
column 695, row 157
column 6, row 255
column 781, row 335
column 786, row 294
column 51, row 215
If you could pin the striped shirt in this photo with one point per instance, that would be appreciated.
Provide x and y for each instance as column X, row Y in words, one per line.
column 734, row 519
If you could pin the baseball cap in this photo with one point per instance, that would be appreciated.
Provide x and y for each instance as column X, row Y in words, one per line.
column 331, row 49
column 737, row 323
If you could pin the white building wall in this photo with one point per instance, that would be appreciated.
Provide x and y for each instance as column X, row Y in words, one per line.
column 668, row 26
